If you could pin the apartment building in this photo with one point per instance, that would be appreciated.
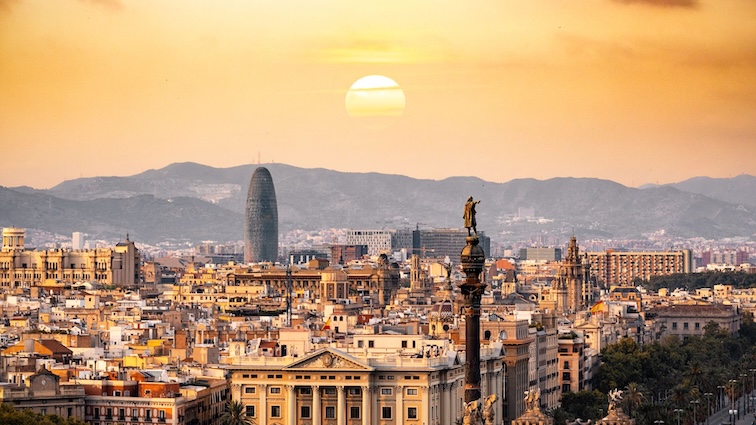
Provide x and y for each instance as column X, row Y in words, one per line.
column 622, row 267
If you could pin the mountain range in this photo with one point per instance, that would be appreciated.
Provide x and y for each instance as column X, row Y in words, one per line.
column 193, row 202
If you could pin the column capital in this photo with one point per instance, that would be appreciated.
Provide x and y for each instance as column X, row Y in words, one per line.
column 290, row 387
column 340, row 388
column 367, row 388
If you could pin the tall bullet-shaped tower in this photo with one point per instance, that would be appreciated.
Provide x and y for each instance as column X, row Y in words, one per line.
column 261, row 219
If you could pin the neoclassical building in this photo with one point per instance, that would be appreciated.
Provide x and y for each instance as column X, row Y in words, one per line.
column 25, row 268
column 372, row 382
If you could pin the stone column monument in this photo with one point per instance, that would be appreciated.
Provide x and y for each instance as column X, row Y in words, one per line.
column 473, row 259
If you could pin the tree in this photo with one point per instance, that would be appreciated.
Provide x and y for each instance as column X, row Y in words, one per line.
column 633, row 397
column 9, row 415
column 235, row 414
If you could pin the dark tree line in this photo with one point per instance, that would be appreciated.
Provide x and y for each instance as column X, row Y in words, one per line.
column 692, row 281
column 11, row 416
column 660, row 377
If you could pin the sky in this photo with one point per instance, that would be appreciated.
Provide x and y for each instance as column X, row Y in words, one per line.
column 635, row 91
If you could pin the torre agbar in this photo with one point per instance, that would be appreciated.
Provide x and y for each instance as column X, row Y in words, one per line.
column 261, row 219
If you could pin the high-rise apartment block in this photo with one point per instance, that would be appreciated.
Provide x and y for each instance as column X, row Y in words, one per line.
column 440, row 243
column 541, row 254
column 377, row 241
column 77, row 240
column 622, row 267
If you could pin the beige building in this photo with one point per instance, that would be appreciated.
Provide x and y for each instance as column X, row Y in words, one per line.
column 380, row 379
column 622, row 267
column 23, row 268
column 685, row 320
column 43, row 394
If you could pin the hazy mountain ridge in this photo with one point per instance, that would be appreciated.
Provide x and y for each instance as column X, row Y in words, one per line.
column 314, row 199
column 739, row 190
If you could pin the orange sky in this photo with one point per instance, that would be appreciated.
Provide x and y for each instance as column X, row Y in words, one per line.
column 634, row 91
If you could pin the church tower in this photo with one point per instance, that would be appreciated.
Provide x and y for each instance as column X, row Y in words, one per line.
column 572, row 289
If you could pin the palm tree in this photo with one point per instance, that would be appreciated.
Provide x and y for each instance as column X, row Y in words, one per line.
column 235, row 414
column 633, row 397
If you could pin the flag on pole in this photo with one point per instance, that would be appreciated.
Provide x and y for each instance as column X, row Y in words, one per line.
column 327, row 325
column 598, row 307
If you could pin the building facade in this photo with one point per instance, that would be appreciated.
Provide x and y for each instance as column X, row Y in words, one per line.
column 23, row 268
column 622, row 267
column 261, row 219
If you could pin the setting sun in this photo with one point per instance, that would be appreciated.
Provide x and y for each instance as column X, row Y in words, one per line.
column 375, row 100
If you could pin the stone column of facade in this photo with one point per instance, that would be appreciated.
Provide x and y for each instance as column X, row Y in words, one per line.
column 375, row 410
column 426, row 406
column 316, row 415
column 446, row 410
column 262, row 392
column 366, row 404
column 341, row 406
column 236, row 392
column 399, row 414
column 291, row 400
column 473, row 259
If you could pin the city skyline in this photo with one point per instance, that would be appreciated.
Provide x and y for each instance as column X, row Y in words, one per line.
column 634, row 91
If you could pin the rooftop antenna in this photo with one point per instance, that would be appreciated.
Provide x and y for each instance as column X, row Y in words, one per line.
column 288, row 292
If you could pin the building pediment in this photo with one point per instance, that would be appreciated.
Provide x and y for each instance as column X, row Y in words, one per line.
column 329, row 359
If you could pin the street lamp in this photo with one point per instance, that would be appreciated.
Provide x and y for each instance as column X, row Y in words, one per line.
column 695, row 404
column 743, row 376
column 753, row 373
column 732, row 383
column 720, row 396
column 678, row 411
column 708, row 406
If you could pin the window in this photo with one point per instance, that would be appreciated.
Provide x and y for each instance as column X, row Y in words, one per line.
column 566, row 365
column 404, row 343
column 371, row 344
column 355, row 391
column 387, row 391
column 674, row 325
column 360, row 344
column 330, row 412
column 275, row 390
column 251, row 411
column 275, row 411
column 386, row 412
column 249, row 390
column 161, row 414
column 411, row 391
column 412, row 413
column 304, row 412
column 134, row 413
column 305, row 391
column 354, row 412
column 148, row 414
column 329, row 390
